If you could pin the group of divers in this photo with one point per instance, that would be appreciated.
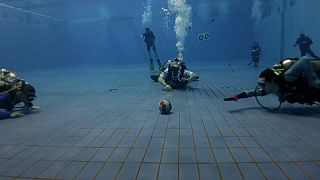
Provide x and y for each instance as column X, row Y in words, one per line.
column 295, row 80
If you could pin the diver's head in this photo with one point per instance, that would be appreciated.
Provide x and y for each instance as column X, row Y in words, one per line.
column 269, row 80
column 147, row 29
column 267, row 75
column 29, row 91
column 4, row 71
column 302, row 34
column 177, row 62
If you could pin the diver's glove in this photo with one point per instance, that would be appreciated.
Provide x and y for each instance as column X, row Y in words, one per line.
column 168, row 88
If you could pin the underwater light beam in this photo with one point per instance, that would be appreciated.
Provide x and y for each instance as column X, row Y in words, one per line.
column 182, row 22
column 30, row 12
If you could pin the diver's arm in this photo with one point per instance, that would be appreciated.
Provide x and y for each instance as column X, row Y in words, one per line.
column 192, row 77
column 3, row 84
column 245, row 94
column 5, row 115
column 297, row 41
column 254, row 49
column 162, row 77
column 166, row 86
column 143, row 35
column 162, row 81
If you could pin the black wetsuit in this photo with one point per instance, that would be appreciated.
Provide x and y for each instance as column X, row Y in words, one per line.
column 304, row 45
column 176, row 78
column 149, row 39
column 255, row 54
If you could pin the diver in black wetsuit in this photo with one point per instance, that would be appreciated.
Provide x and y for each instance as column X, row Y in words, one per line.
column 150, row 39
column 176, row 75
column 255, row 55
column 275, row 81
column 14, row 90
column 304, row 45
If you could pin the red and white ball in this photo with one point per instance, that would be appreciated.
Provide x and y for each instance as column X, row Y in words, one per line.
column 165, row 106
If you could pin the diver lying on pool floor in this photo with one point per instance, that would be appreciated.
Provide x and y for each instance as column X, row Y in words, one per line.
column 294, row 80
column 14, row 90
column 176, row 75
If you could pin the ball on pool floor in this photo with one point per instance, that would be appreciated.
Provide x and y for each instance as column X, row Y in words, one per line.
column 165, row 106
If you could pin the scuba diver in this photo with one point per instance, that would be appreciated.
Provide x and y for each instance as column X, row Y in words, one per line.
column 255, row 55
column 176, row 75
column 14, row 90
column 150, row 39
column 304, row 45
column 293, row 80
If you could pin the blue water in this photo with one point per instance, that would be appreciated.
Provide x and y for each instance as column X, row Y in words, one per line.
column 39, row 35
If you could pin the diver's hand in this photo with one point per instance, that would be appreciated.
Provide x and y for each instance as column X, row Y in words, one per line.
column 167, row 88
column 16, row 114
column 35, row 107
column 29, row 108
column 189, row 80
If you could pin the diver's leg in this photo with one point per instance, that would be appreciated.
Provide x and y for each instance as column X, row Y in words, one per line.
column 303, row 65
column 255, row 61
column 151, row 60
column 159, row 65
column 149, row 53
column 155, row 51
column 151, row 64
column 158, row 60
column 294, row 72
column 311, row 75
column 4, row 115
column 311, row 53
